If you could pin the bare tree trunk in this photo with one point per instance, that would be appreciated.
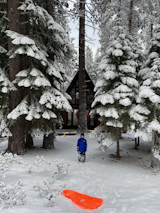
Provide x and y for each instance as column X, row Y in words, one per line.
column 131, row 17
column 117, row 137
column 152, row 149
column 153, row 141
column 29, row 139
column 138, row 141
column 135, row 143
column 16, row 142
column 82, row 75
column 48, row 140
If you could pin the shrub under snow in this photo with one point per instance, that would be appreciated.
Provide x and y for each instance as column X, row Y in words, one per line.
column 11, row 194
column 39, row 162
column 50, row 189
column 7, row 160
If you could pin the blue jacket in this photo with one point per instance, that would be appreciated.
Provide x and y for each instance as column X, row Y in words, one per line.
column 82, row 145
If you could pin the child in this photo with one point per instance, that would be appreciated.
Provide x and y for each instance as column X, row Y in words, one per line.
column 82, row 148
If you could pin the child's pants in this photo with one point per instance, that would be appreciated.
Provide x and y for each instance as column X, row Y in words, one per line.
column 82, row 157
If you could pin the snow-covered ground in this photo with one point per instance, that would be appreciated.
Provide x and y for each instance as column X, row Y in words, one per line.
column 123, row 184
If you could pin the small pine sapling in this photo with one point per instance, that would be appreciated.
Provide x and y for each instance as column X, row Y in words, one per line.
column 50, row 189
column 38, row 162
column 12, row 194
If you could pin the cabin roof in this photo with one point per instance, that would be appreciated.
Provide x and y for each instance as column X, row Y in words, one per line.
column 75, row 79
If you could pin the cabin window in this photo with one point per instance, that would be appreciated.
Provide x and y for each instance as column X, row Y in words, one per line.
column 69, row 119
column 91, row 120
column 75, row 117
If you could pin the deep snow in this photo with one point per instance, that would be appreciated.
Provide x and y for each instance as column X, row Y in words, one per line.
column 123, row 184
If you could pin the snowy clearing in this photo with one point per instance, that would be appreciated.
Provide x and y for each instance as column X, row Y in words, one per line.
column 123, row 184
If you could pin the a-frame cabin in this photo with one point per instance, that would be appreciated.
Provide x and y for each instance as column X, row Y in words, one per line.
column 71, row 118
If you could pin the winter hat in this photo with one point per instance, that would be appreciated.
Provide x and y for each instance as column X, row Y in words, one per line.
column 82, row 133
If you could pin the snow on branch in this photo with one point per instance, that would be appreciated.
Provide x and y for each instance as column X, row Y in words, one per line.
column 55, row 98
column 30, row 47
column 42, row 14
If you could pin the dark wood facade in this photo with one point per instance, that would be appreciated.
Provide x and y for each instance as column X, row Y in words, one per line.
column 71, row 118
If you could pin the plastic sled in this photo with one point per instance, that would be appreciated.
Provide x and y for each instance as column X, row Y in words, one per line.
column 82, row 200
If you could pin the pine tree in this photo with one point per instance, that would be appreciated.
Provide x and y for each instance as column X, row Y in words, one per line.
column 116, row 88
column 90, row 63
column 16, row 141
column 148, row 109
column 43, row 78
column 97, row 59
column 5, row 85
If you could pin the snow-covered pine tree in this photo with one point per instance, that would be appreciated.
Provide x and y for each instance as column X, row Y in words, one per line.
column 16, row 141
column 5, row 84
column 44, row 76
column 148, row 109
column 90, row 63
column 148, row 12
column 116, row 88
column 97, row 59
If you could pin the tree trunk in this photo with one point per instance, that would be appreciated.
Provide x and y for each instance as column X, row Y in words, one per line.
column 117, row 137
column 50, row 7
column 82, row 74
column 135, row 143
column 48, row 140
column 152, row 149
column 130, row 17
column 138, row 141
column 29, row 139
column 16, row 141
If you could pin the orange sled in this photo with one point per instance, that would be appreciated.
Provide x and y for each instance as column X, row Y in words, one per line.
column 83, row 201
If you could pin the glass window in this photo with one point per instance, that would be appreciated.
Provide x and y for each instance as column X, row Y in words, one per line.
column 91, row 120
column 75, row 117
column 72, row 94
column 77, row 95
column 69, row 119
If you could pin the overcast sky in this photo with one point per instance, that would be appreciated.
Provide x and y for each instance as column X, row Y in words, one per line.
column 93, row 44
